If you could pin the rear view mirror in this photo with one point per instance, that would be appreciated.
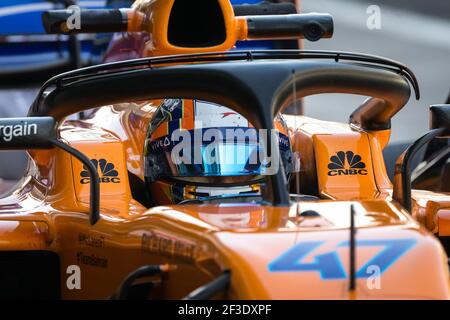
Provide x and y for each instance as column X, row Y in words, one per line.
column 42, row 133
column 440, row 118
column 439, row 128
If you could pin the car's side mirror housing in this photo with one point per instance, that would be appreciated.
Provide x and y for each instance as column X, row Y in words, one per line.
column 439, row 128
column 42, row 133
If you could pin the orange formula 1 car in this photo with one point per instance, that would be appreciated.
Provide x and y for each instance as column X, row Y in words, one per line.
column 108, row 210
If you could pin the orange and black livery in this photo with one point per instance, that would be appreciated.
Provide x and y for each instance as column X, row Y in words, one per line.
column 340, row 230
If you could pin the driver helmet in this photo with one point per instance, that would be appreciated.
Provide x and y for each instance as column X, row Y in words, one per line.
column 198, row 150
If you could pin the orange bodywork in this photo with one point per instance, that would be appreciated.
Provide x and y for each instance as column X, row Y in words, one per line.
column 156, row 23
column 48, row 210
column 152, row 17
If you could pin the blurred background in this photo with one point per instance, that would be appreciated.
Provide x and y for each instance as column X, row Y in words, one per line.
column 414, row 32
column 28, row 57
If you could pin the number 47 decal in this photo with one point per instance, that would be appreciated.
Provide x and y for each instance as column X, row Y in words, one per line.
column 329, row 264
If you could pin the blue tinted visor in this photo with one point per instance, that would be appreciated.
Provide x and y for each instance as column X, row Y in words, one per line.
column 205, row 159
column 222, row 159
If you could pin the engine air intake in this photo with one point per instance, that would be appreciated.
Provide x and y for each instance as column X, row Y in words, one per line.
column 196, row 24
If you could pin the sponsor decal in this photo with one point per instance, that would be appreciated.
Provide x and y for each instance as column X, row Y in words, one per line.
column 91, row 240
column 168, row 246
column 106, row 172
column 346, row 163
column 301, row 258
column 92, row 260
column 9, row 132
column 161, row 144
column 284, row 141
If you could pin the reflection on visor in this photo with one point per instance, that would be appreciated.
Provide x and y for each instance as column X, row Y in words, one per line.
column 224, row 160
column 167, row 158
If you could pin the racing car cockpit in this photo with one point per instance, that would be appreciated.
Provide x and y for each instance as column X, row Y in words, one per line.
column 177, row 143
column 193, row 140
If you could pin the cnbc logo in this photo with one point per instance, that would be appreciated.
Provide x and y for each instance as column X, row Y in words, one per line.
column 106, row 172
column 346, row 163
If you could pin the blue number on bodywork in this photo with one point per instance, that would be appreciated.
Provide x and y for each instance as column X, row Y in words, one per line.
column 393, row 250
column 330, row 266
column 327, row 264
